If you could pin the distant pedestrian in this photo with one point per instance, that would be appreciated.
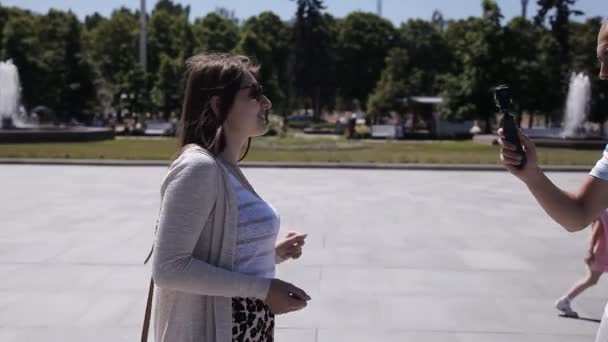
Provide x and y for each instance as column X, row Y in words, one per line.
column 597, row 263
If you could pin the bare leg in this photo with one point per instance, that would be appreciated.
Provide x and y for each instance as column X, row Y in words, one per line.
column 588, row 281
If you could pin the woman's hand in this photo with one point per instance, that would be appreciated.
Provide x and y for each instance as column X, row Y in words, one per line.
column 284, row 297
column 511, row 159
column 290, row 247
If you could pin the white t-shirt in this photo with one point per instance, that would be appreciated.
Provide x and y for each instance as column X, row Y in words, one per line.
column 600, row 170
column 256, row 232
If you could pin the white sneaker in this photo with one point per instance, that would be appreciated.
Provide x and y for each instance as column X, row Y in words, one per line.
column 563, row 305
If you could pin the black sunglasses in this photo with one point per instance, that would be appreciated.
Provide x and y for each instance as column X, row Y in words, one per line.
column 257, row 91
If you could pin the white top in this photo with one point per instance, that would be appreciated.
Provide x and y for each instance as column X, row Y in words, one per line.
column 600, row 170
column 256, row 233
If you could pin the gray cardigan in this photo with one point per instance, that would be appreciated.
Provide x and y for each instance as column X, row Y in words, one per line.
column 194, row 253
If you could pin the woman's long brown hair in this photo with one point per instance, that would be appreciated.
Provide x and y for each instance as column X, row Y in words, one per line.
column 208, row 75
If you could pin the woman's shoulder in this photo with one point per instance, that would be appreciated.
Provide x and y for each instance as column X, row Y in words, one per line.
column 194, row 155
column 193, row 160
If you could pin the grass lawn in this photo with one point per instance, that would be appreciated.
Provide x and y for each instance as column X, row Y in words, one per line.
column 302, row 150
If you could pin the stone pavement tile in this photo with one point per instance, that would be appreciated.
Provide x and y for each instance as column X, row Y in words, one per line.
column 400, row 237
column 334, row 312
column 14, row 252
column 135, row 313
column 7, row 270
column 405, row 281
column 553, row 284
column 120, row 334
column 55, row 278
column 132, row 279
column 447, row 314
column 44, row 309
column 538, row 316
column 9, row 300
column 108, row 311
column 572, row 266
column 71, row 334
column 494, row 260
column 522, row 337
column 10, row 335
column 591, row 305
column 383, row 335
column 395, row 335
column 295, row 335
column 353, row 255
column 122, row 248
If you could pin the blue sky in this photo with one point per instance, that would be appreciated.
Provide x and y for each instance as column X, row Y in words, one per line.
column 395, row 10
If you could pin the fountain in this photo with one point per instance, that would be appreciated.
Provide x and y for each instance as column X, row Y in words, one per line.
column 577, row 105
column 9, row 94
column 16, row 126
column 575, row 132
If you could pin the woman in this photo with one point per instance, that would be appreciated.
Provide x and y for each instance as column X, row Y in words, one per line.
column 597, row 264
column 216, row 247
column 573, row 211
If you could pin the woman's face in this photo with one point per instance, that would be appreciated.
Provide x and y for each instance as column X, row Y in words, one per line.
column 249, row 113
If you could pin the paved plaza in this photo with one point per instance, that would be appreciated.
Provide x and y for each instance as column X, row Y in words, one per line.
column 391, row 255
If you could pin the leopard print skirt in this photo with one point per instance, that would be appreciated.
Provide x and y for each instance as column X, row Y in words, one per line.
column 252, row 321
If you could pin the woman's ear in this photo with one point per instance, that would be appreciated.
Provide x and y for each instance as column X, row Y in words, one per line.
column 215, row 105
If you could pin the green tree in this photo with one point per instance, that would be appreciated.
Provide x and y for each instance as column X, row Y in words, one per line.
column 48, row 52
column 227, row 14
column 169, row 33
column 114, row 47
column 92, row 21
column 7, row 13
column 267, row 39
column 21, row 45
column 215, row 33
column 530, row 68
column 364, row 40
column 477, row 44
column 4, row 17
column 560, row 25
column 393, row 88
column 429, row 56
column 413, row 68
column 551, row 101
column 314, row 40
column 171, row 41
column 77, row 92
column 166, row 94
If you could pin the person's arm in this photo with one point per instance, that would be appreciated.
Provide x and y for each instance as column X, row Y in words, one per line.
column 190, row 190
column 573, row 211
